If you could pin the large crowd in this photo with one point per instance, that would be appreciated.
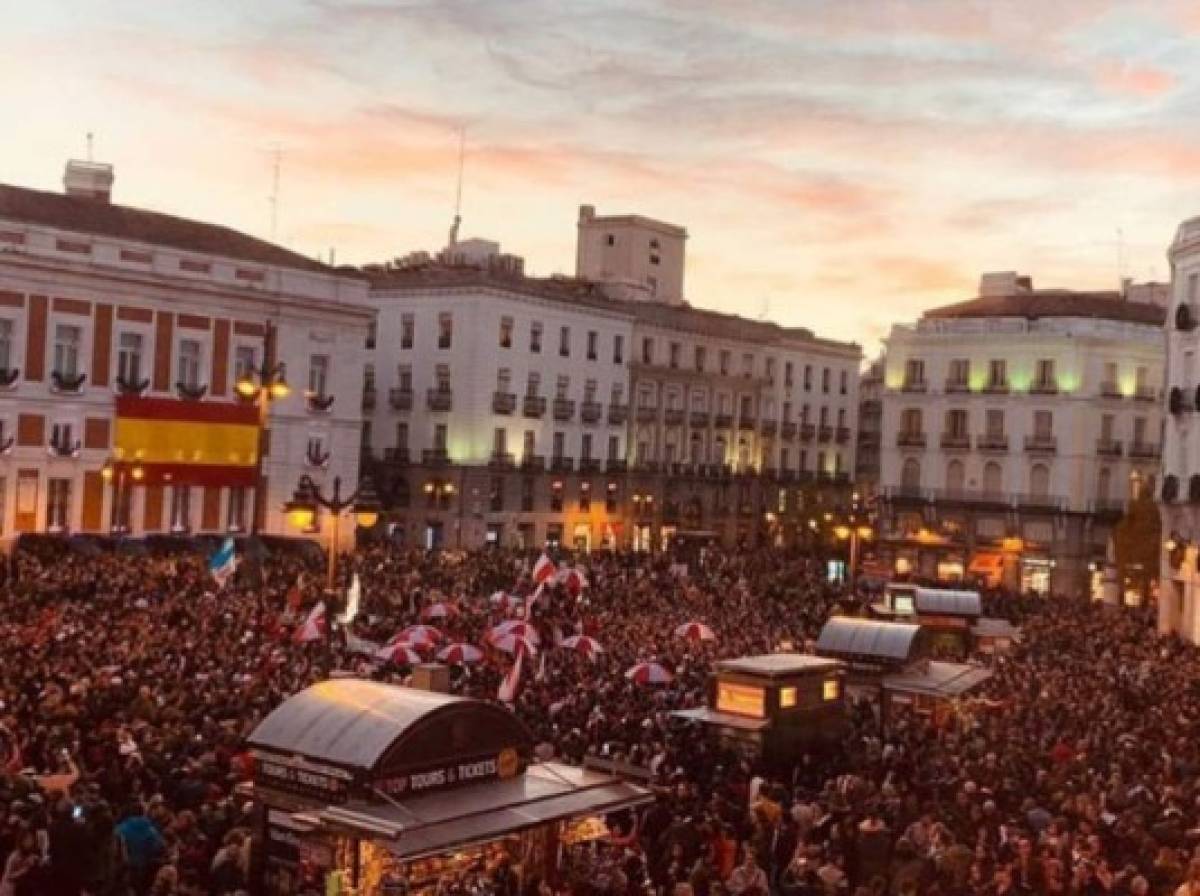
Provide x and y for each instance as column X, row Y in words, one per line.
column 129, row 683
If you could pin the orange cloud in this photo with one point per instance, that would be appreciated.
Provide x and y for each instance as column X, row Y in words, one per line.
column 1135, row 80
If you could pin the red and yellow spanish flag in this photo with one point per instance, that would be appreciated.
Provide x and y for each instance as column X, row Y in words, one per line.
column 187, row 442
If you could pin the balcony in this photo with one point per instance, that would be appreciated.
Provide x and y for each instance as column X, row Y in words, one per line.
column 589, row 465
column 914, row 386
column 824, row 433
column 1110, row 390
column 996, row 388
column 724, row 421
column 502, row 460
column 1041, row 444
column 770, row 427
column 992, row 443
column 435, row 457
column 560, row 464
column 1039, row 502
column 1112, row 508
column 807, row 431
column 910, row 440
column 1145, row 393
column 869, row 438
column 618, row 414
column 564, row 409
column 646, row 414
column 699, row 419
column 843, row 435
column 533, row 462
column 905, row 494
column 368, row 399
column 674, row 416
column 1109, row 447
column 952, row 441
column 533, row 406
column 953, row 387
column 504, row 402
column 646, row 466
column 396, row 455
column 1144, row 451
column 1044, row 387
column 439, row 399
column 616, row 465
column 788, row 431
column 400, row 399
column 591, row 412
column 746, row 422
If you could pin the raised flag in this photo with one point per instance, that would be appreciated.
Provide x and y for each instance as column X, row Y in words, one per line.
column 507, row 693
column 353, row 596
column 313, row 627
column 544, row 570
column 223, row 563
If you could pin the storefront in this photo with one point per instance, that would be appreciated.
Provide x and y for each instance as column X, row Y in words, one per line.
column 1036, row 571
column 931, row 689
column 368, row 789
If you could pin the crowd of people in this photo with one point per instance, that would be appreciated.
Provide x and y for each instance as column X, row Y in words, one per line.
column 129, row 684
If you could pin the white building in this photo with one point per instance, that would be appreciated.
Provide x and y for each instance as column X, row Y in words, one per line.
column 99, row 300
column 508, row 412
column 1015, row 427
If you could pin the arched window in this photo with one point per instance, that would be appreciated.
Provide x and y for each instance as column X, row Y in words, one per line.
column 1039, row 480
column 1104, row 484
column 954, row 476
column 910, row 473
column 993, row 478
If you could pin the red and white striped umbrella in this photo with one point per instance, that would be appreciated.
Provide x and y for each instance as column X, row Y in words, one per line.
column 648, row 673
column 518, row 628
column 510, row 643
column 399, row 652
column 695, row 631
column 583, row 644
column 420, row 634
column 439, row 610
column 460, row 654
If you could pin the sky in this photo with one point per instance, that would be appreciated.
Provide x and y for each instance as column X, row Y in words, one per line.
column 838, row 164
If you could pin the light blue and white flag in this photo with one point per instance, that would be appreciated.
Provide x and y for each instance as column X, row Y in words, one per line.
column 223, row 563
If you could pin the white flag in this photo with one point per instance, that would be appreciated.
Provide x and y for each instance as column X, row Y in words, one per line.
column 353, row 595
column 507, row 692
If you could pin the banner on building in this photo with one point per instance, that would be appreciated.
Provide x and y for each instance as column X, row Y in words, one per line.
column 187, row 442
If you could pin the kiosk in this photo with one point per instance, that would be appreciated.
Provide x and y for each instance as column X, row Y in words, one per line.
column 766, row 707
column 946, row 614
column 369, row 789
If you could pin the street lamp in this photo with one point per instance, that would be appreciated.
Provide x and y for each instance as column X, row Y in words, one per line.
column 301, row 511
column 123, row 476
column 262, row 385
column 854, row 534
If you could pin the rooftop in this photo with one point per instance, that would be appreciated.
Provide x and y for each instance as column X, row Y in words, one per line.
column 1035, row 304
column 771, row 665
column 85, row 215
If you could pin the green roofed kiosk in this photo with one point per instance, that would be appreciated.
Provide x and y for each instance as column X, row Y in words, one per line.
column 373, row 789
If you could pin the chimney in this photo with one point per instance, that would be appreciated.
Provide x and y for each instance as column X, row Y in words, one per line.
column 586, row 213
column 88, row 180
column 1004, row 283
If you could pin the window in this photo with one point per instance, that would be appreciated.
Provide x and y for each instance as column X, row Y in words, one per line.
column 556, row 496
column 529, row 445
column 747, row 365
column 618, row 349
column 58, row 504
column 647, row 350
column 998, row 373
column 807, row 377
column 592, row 340
column 910, row 473
column 610, row 498
column 445, row 330
column 372, row 334
column 527, row 495
column 60, row 435
column 610, row 239
column 841, row 420
column 746, row 411
column 618, row 392
column 698, row 358
column 614, row 447
column 914, row 372
column 787, row 412
column 496, row 496
column 506, row 332
column 439, row 438
column 825, row 380
column 1142, row 379
column 1045, row 377
column 842, row 382
column 956, row 423
column 407, row 329
column 189, row 363
column 673, row 355
column 402, row 438
column 954, row 476
column 66, row 350
column 6, row 344
column 245, row 363
column 1193, row 286
column 1103, row 484
column 724, row 359
column 804, row 411
column 1043, row 424
column 181, row 508
column 824, row 415
column 129, row 358
column 558, row 444
column 1106, row 427
column 535, row 338
column 589, row 391
column 994, row 423
column 442, row 377
column 585, row 496
column 500, row 441
column 585, row 446
column 564, row 341
column 1039, row 480
column 1110, row 374
column 652, row 282
column 789, row 370
column 404, row 373
column 561, row 386
column 1139, row 430
column 993, row 478
column 533, row 384
column 960, row 372
column 770, row 371
column 910, row 421
column 318, row 375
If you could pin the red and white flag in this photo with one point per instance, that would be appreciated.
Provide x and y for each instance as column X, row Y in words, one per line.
column 544, row 570
column 533, row 599
column 507, row 692
column 574, row 580
column 312, row 628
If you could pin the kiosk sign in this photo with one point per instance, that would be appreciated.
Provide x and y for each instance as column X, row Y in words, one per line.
column 505, row 764
column 297, row 775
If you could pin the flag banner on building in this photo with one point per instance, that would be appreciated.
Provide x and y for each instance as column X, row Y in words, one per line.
column 223, row 563
column 187, row 442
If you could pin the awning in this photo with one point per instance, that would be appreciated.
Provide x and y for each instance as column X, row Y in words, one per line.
column 937, row 679
column 987, row 627
column 848, row 638
column 713, row 717
column 437, row 822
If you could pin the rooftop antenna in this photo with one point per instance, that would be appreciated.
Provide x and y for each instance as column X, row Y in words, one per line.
column 89, row 143
column 462, row 147
column 277, row 155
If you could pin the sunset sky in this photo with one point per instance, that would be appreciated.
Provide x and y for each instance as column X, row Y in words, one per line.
column 841, row 164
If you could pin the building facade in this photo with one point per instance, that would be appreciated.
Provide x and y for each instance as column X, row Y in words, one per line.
column 1179, row 495
column 870, row 430
column 99, row 300
column 1016, row 427
column 592, row 412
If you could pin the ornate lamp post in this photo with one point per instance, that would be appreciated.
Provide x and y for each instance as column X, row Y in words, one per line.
column 308, row 499
column 262, row 385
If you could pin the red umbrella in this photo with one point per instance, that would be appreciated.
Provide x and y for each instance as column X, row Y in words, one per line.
column 648, row 673
column 460, row 654
column 419, row 634
column 589, row 647
column 400, row 653
column 510, row 643
column 518, row 628
column 439, row 610
column 695, row 631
